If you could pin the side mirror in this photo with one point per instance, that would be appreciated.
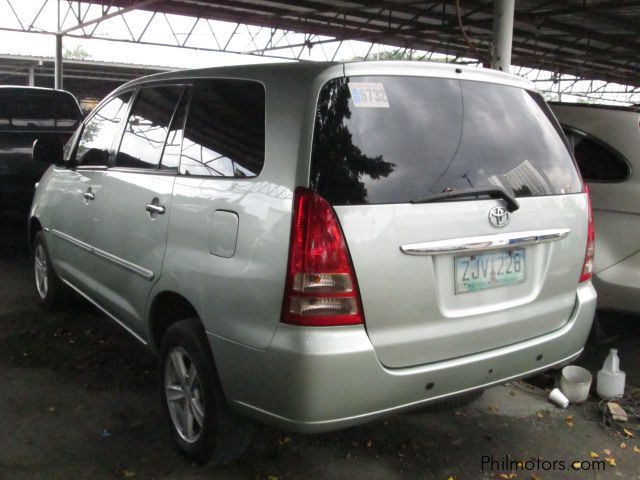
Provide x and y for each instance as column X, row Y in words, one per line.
column 48, row 150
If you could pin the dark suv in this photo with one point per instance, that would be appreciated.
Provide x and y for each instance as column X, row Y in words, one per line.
column 26, row 114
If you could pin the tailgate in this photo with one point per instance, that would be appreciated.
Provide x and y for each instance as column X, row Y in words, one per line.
column 417, row 311
column 387, row 148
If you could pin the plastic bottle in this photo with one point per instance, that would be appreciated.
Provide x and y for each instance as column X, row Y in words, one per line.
column 611, row 379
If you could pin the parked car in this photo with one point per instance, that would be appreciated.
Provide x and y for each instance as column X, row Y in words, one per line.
column 28, row 113
column 315, row 246
column 606, row 145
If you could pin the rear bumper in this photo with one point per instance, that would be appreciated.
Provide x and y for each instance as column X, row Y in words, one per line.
column 318, row 379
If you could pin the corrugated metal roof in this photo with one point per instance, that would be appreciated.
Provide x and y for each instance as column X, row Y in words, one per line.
column 593, row 39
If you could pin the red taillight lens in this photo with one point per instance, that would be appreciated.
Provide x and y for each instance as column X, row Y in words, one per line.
column 321, row 288
column 587, row 268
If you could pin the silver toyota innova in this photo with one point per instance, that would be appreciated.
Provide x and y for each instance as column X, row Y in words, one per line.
column 319, row 245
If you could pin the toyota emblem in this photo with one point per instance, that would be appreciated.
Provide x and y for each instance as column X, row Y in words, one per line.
column 498, row 217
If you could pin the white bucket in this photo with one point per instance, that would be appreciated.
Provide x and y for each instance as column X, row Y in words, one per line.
column 575, row 383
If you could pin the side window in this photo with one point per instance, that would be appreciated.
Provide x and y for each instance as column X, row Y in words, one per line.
column 96, row 142
column 147, row 127
column 171, row 154
column 597, row 161
column 225, row 131
column 68, row 114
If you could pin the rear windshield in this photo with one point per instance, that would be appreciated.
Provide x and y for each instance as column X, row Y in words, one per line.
column 38, row 110
column 387, row 139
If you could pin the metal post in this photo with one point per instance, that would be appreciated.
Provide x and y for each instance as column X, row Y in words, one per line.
column 58, row 63
column 57, row 74
column 503, row 11
column 32, row 76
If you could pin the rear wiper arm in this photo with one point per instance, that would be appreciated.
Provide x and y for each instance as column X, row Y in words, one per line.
column 491, row 192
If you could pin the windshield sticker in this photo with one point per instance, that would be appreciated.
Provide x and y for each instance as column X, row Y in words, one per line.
column 368, row 95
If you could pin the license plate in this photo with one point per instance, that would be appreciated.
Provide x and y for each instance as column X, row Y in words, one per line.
column 488, row 270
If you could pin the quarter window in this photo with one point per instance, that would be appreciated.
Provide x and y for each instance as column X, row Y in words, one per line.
column 96, row 142
column 225, row 131
column 597, row 161
column 146, row 131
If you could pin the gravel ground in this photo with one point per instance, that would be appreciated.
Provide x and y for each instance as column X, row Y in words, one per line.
column 78, row 400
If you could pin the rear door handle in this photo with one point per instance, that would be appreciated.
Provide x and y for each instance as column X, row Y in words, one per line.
column 157, row 209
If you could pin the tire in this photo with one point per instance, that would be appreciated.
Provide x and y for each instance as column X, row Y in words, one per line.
column 203, row 426
column 50, row 291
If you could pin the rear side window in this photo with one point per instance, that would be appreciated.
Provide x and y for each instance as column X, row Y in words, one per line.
column 225, row 130
column 68, row 114
column 389, row 139
column 98, row 135
column 597, row 161
column 38, row 110
column 33, row 110
column 147, row 127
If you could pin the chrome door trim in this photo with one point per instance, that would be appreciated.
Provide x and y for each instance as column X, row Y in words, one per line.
column 132, row 267
column 485, row 242
column 72, row 240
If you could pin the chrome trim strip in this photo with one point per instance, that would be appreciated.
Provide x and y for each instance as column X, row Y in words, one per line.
column 132, row 267
column 103, row 310
column 71, row 240
column 485, row 242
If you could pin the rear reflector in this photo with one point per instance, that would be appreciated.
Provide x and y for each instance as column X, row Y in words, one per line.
column 321, row 288
column 587, row 268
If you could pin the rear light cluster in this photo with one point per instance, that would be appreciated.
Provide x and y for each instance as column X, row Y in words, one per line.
column 587, row 268
column 321, row 288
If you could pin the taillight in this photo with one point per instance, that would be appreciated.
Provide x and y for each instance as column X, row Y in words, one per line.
column 587, row 268
column 321, row 288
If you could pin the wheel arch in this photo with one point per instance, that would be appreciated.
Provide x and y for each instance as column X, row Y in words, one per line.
column 34, row 227
column 167, row 308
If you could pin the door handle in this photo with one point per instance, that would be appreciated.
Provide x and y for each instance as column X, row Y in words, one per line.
column 154, row 209
column 89, row 196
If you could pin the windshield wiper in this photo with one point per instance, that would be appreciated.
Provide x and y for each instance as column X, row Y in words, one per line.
column 491, row 192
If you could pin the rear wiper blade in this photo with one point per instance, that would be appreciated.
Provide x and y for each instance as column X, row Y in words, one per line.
column 491, row 192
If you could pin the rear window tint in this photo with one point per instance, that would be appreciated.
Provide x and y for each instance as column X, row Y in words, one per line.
column 225, row 131
column 597, row 161
column 406, row 137
column 37, row 110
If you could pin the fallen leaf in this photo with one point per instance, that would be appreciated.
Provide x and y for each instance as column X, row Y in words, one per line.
column 569, row 420
column 540, row 414
column 369, row 443
column 451, row 478
column 272, row 477
column 607, row 452
column 128, row 473
column 594, row 455
column 512, row 393
column 623, row 445
column 576, row 465
column 611, row 461
column 636, row 449
column 534, row 477
column 628, row 432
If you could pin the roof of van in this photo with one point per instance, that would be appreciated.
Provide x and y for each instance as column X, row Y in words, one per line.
column 622, row 108
column 417, row 68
